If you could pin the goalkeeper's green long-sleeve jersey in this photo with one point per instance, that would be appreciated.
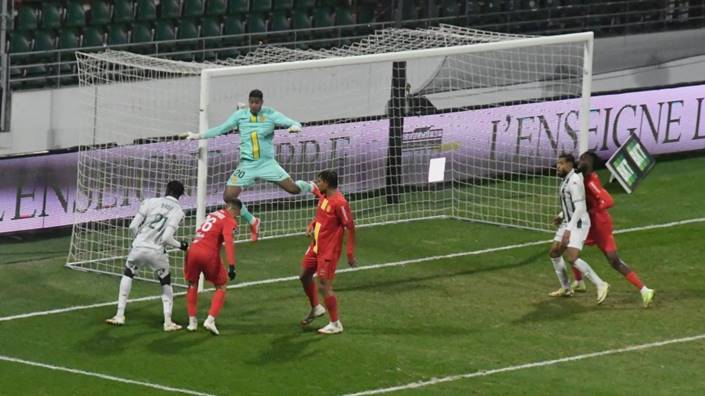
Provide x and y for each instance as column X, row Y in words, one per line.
column 256, row 132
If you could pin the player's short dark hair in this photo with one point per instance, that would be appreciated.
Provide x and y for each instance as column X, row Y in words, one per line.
column 568, row 157
column 256, row 94
column 234, row 202
column 175, row 189
column 593, row 157
column 330, row 177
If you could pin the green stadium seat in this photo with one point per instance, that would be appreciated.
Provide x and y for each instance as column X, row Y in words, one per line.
column 169, row 9
column 146, row 10
column 51, row 15
column 216, row 7
column 261, row 6
column 20, row 42
column 232, row 25
column 343, row 17
column 188, row 30
column 238, row 7
column 304, row 4
column 44, row 41
column 256, row 23
column 68, row 39
column 93, row 36
column 283, row 5
column 100, row 13
column 118, row 34
column 193, row 8
column 211, row 27
column 123, row 11
column 322, row 18
column 141, row 33
column 27, row 18
column 75, row 15
column 165, row 30
column 280, row 21
column 301, row 20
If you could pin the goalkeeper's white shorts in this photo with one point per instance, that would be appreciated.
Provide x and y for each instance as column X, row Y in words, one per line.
column 578, row 235
column 155, row 259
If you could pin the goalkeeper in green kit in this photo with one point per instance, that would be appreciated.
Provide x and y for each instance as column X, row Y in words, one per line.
column 256, row 126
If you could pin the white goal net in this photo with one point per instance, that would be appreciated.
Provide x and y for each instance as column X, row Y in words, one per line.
column 445, row 122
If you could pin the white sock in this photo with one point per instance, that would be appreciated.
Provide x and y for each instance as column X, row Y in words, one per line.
column 559, row 267
column 643, row 289
column 123, row 294
column 210, row 318
column 589, row 273
column 167, row 301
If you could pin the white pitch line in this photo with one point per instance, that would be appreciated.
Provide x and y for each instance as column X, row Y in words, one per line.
column 362, row 268
column 103, row 376
column 485, row 373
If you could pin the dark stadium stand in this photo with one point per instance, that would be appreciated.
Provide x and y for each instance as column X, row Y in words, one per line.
column 46, row 33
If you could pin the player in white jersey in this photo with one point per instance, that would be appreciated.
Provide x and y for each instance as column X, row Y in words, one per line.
column 154, row 226
column 573, row 225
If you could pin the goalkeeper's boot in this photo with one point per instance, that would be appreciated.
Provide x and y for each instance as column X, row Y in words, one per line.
column 209, row 324
column 602, row 291
column 254, row 229
column 647, row 296
column 562, row 293
column 171, row 326
column 578, row 286
column 116, row 320
column 316, row 312
column 192, row 324
column 332, row 328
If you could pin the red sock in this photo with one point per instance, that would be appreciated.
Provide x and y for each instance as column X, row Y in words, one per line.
column 312, row 293
column 633, row 278
column 217, row 303
column 332, row 306
column 577, row 274
column 192, row 301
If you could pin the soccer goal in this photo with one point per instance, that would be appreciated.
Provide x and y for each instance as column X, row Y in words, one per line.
column 446, row 122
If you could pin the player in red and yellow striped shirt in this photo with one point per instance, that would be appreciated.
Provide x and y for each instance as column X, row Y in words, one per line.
column 333, row 217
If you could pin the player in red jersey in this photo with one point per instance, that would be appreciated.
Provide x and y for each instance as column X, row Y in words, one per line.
column 333, row 216
column 204, row 257
column 598, row 201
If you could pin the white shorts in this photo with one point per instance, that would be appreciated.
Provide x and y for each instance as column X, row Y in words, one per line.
column 156, row 260
column 577, row 235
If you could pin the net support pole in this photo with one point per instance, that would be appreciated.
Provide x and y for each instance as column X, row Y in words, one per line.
column 202, row 182
column 585, row 95
column 396, row 131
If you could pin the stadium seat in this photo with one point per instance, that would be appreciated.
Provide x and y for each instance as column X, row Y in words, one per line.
column 216, row 7
column 100, row 13
column 93, row 36
column 75, row 15
column 343, row 17
column 146, row 10
column 211, row 27
column 68, row 39
column 123, row 11
column 365, row 15
column 238, row 7
column 27, row 18
column 232, row 25
column 51, row 15
column 165, row 30
column 20, row 42
column 258, row 6
column 283, row 5
column 301, row 21
column 117, row 34
column 188, row 30
column 256, row 23
column 280, row 21
column 141, row 33
column 323, row 18
column 44, row 41
column 304, row 4
column 193, row 8
column 169, row 9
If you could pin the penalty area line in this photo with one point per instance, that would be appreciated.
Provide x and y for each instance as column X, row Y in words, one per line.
column 485, row 373
column 355, row 269
column 102, row 376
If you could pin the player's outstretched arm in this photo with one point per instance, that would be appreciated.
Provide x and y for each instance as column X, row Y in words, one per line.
column 346, row 219
column 280, row 119
column 227, row 126
column 229, row 244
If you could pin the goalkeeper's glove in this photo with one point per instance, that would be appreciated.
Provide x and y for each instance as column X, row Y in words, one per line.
column 184, row 246
column 190, row 136
column 294, row 129
column 231, row 272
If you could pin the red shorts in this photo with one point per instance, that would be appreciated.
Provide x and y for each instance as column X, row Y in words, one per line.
column 325, row 265
column 200, row 261
column 601, row 235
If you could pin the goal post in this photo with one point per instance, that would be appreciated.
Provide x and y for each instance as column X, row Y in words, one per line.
column 494, row 110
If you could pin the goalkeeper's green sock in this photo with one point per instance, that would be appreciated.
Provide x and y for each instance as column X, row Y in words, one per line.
column 246, row 215
column 304, row 186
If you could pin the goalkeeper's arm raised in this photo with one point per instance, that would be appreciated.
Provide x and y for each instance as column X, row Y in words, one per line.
column 228, row 125
column 280, row 119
